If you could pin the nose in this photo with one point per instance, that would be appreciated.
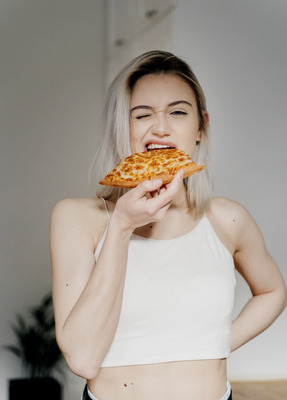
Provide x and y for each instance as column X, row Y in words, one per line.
column 160, row 125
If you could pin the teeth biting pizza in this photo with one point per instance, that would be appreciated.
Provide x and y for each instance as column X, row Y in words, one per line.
column 153, row 164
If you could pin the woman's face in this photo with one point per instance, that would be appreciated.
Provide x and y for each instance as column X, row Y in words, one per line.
column 163, row 113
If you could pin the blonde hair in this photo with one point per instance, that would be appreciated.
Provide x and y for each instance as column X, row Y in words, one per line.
column 115, row 144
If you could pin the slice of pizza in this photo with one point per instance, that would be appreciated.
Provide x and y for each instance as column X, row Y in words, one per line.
column 152, row 164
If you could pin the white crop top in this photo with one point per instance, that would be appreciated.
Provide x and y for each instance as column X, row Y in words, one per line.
column 178, row 300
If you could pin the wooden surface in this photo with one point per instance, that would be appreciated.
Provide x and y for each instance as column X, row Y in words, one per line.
column 271, row 390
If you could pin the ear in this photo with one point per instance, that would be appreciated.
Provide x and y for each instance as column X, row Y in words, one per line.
column 198, row 137
column 206, row 119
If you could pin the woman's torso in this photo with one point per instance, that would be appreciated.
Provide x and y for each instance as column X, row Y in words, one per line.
column 192, row 379
column 182, row 380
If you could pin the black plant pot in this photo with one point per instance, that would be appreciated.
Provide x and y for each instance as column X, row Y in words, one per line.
column 34, row 389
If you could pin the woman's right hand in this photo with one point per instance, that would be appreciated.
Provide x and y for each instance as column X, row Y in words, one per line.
column 135, row 208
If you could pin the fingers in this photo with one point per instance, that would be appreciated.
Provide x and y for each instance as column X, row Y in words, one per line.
column 138, row 209
column 164, row 195
column 177, row 180
column 150, row 186
column 158, row 191
column 171, row 189
column 155, row 186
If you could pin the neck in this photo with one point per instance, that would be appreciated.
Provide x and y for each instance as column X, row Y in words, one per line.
column 176, row 222
column 180, row 200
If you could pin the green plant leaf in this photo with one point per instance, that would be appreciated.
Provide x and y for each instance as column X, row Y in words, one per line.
column 36, row 341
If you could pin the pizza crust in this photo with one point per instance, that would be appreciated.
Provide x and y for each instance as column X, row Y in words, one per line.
column 154, row 164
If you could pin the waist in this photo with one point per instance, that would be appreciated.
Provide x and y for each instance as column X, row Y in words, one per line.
column 203, row 379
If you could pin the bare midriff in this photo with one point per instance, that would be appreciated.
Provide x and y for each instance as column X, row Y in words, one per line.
column 181, row 380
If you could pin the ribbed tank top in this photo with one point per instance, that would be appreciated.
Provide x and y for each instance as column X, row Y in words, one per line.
column 178, row 300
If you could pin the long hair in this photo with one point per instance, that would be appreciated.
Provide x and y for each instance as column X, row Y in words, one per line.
column 115, row 144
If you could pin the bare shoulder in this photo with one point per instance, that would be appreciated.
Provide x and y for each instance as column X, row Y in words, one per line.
column 87, row 215
column 77, row 207
column 231, row 220
column 229, row 211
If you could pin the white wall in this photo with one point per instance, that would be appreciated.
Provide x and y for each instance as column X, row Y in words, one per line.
column 238, row 49
column 51, row 99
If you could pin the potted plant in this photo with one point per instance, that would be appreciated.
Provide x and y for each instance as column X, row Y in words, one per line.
column 39, row 353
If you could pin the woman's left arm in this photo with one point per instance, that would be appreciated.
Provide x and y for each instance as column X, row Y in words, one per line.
column 269, row 296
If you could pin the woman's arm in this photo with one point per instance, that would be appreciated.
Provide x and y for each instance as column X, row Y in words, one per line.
column 88, row 297
column 266, row 283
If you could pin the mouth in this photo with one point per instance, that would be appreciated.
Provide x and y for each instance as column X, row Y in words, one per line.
column 157, row 146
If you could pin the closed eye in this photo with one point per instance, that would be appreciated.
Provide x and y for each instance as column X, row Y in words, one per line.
column 143, row 116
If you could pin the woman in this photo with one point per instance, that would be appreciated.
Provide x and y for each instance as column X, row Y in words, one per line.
column 143, row 280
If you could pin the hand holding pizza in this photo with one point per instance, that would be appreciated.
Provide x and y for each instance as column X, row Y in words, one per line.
column 148, row 173
column 135, row 208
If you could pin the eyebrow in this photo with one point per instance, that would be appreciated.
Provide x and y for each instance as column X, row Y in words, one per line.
column 174, row 103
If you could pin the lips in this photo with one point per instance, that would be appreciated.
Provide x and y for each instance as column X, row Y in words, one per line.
column 159, row 145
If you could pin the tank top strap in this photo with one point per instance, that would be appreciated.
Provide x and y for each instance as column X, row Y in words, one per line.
column 100, row 245
column 107, row 211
